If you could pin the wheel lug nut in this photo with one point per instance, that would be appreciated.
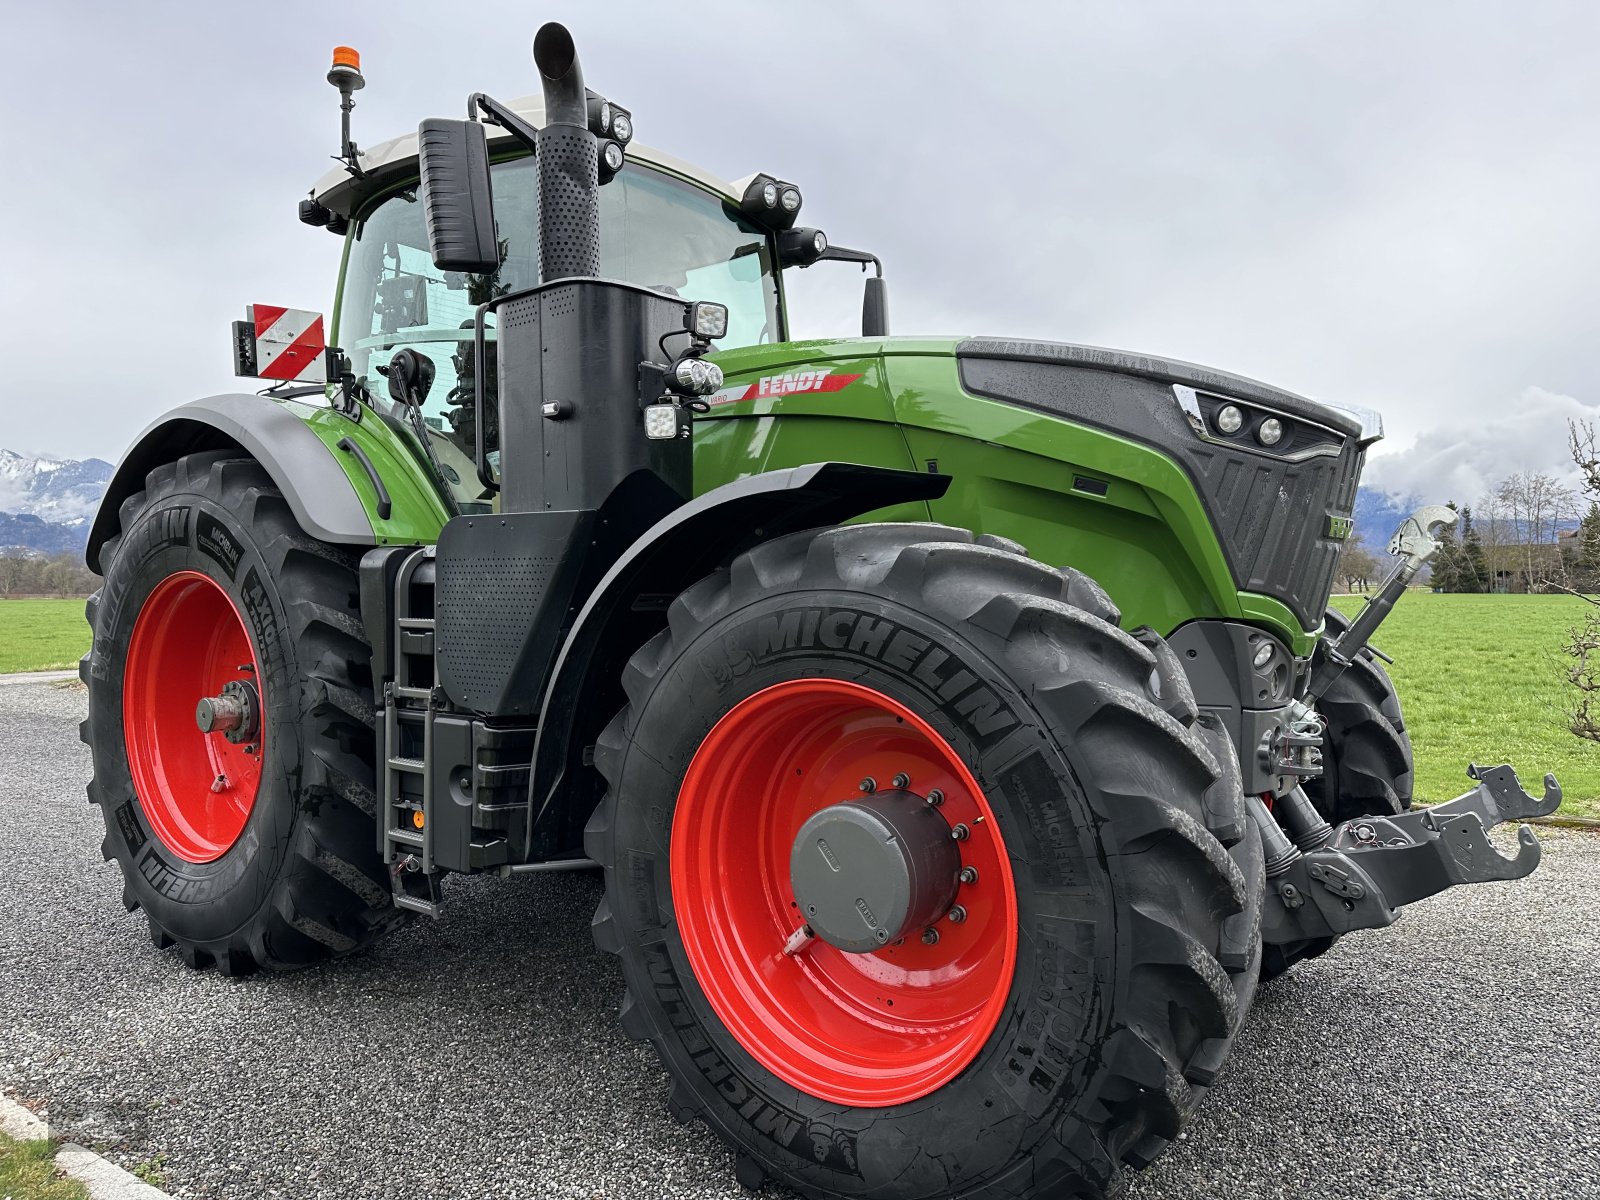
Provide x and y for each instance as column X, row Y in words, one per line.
column 869, row 785
column 930, row 937
column 961, row 833
column 902, row 780
column 936, row 797
column 968, row 875
column 957, row 914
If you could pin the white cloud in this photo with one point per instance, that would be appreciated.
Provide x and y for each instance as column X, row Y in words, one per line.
column 1464, row 459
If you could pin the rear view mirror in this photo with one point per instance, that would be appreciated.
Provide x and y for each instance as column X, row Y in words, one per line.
column 875, row 308
column 456, row 196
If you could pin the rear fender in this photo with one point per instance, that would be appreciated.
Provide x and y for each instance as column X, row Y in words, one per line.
column 316, row 484
column 630, row 604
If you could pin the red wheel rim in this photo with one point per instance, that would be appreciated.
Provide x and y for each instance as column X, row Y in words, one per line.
column 197, row 789
column 867, row 1030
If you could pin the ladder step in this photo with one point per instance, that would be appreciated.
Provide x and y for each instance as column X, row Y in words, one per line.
column 406, row 837
column 415, row 905
column 412, row 693
column 415, row 765
column 415, row 622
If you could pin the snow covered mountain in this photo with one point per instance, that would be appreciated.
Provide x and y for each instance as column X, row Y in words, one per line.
column 46, row 504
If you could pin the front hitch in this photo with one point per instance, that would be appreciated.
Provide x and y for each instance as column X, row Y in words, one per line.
column 1372, row 866
column 1414, row 543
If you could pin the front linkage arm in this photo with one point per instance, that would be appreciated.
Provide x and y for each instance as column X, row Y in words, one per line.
column 1370, row 867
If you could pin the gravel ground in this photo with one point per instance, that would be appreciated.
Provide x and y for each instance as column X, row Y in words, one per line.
column 1450, row 1057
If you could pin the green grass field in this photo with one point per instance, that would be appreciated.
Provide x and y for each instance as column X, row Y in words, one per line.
column 1480, row 678
column 42, row 635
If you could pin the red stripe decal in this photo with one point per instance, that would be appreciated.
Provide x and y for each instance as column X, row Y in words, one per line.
column 298, row 354
column 798, row 383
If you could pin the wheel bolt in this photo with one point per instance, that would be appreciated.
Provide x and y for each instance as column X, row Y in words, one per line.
column 957, row 914
column 930, row 937
column 869, row 785
column 936, row 797
column 902, row 780
column 961, row 833
column 968, row 875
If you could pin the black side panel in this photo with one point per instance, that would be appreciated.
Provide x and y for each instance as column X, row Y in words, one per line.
column 504, row 585
column 306, row 471
column 577, row 346
column 627, row 607
column 1271, row 515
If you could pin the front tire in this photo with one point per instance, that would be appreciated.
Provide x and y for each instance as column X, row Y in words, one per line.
column 248, row 852
column 1110, row 951
column 1366, row 763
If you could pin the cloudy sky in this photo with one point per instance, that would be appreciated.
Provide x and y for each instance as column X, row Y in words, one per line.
column 1392, row 205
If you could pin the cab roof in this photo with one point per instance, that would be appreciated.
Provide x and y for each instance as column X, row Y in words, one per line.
column 395, row 161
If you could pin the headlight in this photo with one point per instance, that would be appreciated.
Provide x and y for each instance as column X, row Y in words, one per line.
column 1229, row 419
column 1271, row 432
column 660, row 421
column 1263, row 655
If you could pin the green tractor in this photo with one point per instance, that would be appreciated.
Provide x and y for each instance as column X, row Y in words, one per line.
column 957, row 723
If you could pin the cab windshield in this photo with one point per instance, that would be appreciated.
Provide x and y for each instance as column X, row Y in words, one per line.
column 654, row 231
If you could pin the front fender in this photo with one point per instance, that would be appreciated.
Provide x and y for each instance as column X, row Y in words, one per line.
column 629, row 606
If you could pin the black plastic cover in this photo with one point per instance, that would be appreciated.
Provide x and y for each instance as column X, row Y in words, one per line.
column 456, row 195
column 1271, row 515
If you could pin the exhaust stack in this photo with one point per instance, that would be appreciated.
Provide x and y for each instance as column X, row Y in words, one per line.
column 569, row 183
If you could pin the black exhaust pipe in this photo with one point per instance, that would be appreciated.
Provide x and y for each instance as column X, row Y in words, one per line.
column 569, row 181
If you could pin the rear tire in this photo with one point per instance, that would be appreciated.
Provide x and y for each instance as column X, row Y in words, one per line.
column 296, row 877
column 1137, row 880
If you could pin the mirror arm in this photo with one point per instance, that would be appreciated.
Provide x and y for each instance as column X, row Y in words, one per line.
column 496, row 113
column 841, row 254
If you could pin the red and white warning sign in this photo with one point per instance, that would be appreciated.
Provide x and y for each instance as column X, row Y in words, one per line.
column 286, row 344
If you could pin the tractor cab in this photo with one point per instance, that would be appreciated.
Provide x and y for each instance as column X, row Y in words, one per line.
column 664, row 225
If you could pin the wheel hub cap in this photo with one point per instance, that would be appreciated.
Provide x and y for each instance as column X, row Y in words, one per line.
column 235, row 712
column 869, row 872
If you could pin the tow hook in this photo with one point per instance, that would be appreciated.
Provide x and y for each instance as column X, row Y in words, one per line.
column 1374, row 866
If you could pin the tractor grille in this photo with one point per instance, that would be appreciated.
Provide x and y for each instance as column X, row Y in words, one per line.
column 1271, row 514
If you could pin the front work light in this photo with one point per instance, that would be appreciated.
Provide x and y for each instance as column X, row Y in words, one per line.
column 695, row 377
column 612, row 156
column 1229, row 419
column 1271, row 432
column 770, row 202
column 800, row 247
column 660, row 421
column 708, row 320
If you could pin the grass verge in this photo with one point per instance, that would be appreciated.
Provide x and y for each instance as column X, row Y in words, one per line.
column 28, row 1172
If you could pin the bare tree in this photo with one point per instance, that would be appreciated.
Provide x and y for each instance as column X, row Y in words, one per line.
column 1537, row 505
column 1356, row 565
column 1583, row 639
